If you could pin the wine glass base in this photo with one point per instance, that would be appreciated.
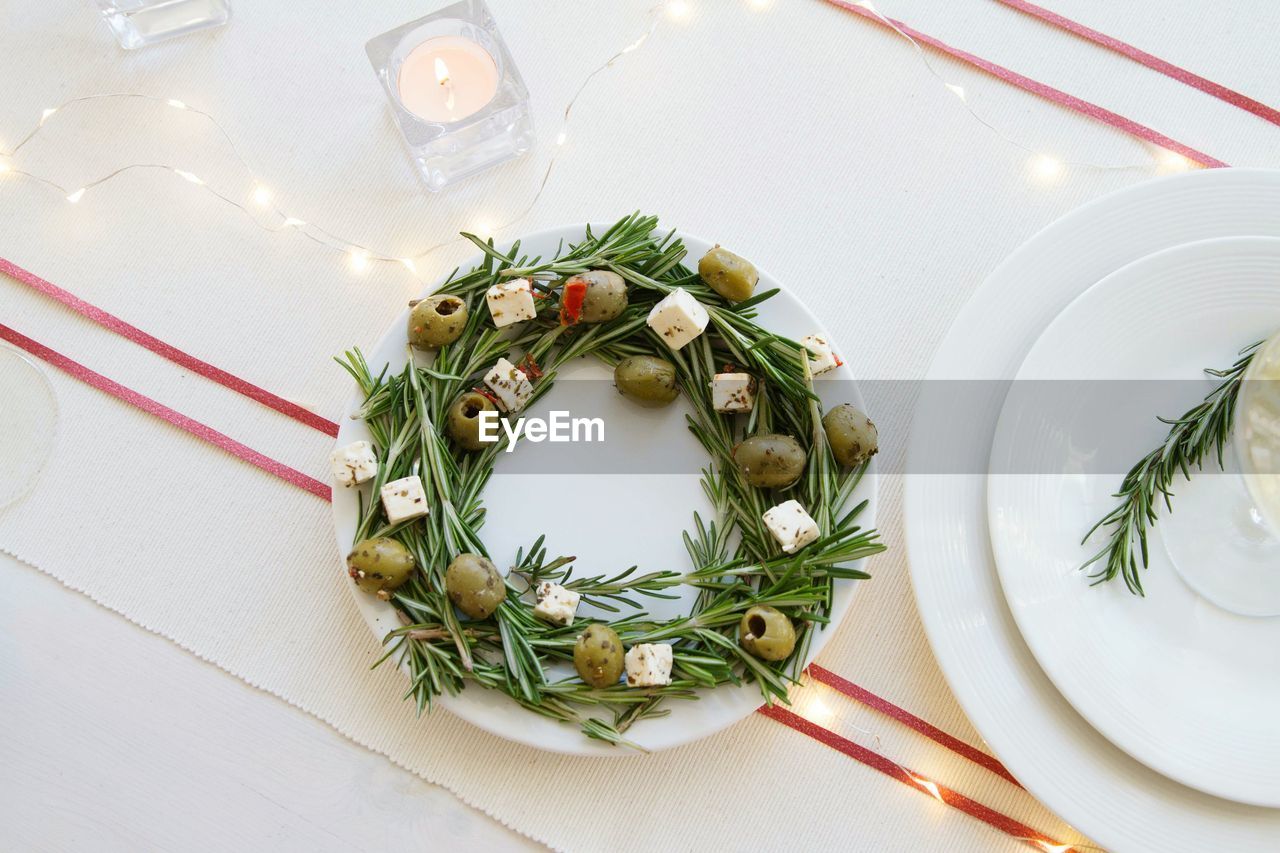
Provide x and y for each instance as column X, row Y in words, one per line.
column 1220, row 544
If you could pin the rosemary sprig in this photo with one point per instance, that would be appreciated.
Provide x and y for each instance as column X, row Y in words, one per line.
column 1199, row 433
column 513, row 652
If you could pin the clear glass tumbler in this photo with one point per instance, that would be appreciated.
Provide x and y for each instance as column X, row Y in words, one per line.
column 28, row 424
column 1224, row 533
column 1258, row 432
column 137, row 23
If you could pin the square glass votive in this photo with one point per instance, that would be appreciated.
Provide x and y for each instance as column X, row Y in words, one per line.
column 454, row 91
column 137, row 23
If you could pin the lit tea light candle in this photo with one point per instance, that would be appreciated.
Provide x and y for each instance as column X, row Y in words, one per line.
column 447, row 79
column 455, row 93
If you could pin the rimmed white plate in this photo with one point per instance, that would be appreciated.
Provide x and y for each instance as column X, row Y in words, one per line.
column 608, row 522
column 1185, row 687
column 1054, row 752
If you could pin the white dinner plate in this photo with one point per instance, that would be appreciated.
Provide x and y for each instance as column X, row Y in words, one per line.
column 1054, row 752
column 1189, row 689
column 609, row 522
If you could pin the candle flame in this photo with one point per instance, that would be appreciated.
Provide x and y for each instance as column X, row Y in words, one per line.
column 442, row 77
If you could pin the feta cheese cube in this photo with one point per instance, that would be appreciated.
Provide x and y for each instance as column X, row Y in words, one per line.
column 649, row 665
column 556, row 604
column 733, row 392
column 354, row 463
column 821, row 358
column 678, row 318
column 791, row 526
column 510, row 302
column 404, row 499
column 510, row 386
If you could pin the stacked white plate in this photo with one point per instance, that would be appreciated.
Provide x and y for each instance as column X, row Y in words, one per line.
column 1148, row 723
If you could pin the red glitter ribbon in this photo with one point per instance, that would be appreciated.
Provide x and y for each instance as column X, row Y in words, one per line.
column 1043, row 90
column 902, row 715
column 172, row 353
column 1155, row 63
column 181, row 421
column 876, row 761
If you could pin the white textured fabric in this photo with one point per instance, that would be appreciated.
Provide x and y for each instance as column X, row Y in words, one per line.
column 807, row 139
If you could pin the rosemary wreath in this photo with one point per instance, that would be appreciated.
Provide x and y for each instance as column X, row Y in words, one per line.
column 735, row 563
column 1200, row 433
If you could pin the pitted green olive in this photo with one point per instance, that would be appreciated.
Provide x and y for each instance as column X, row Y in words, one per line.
column 851, row 434
column 647, row 380
column 598, row 655
column 474, row 585
column 606, row 295
column 770, row 461
column 729, row 275
column 379, row 565
column 436, row 321
column 464, row 420
column 766, row 633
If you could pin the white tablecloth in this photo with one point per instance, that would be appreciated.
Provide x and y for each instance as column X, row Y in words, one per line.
column 812, row 140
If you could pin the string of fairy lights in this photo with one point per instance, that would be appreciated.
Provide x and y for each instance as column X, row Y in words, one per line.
column 262, row 200
column 1043, row 166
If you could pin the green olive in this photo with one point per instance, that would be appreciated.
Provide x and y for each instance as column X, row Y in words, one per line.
column 436, row 321
column 597, row 656
column 729, row 275
column 606, row 295
column 770, row 461
column 851, row 434
column 474, row 585
column 379, row 565
column 766, row 633
column 464, row 420
column 647, row 380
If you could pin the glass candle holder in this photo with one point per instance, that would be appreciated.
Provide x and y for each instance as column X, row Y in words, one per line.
column 454, row 91
column 137, row 23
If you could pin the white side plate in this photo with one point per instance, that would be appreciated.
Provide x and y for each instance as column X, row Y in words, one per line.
column 605, row 521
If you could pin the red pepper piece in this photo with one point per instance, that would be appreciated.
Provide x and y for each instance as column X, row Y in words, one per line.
column 484, row 392
column 530, row 367
column 571, row 299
